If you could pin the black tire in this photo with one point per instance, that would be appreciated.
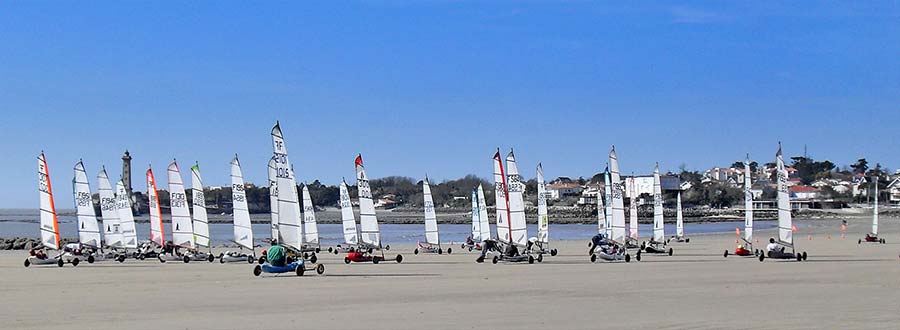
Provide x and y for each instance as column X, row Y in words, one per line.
column 75, row 262
column 375, row 260
column 478, row 260
column 90, row 259
column 121, row 258
column 495, row 260
column 320, row 269
column 347, row 260
column 638, row 256
column 799, row 257
column 530, row 260
column 369, row 250
column 27, row 263
column 687, row 240
column 318, row 249
column 257, row 270
column 416, row 252
column 643, row 245
column 440, row 251
column 883, row 241
column 261, row 260
column 335, row 252
column 762, row 257
column 250, row 260
column 313, row 259
column 186, row 259
column 540, row 258
column 161, row 260
column 305, row 256
column 859, row 242
column 387, row 247
column 59, row 262
column 300, row 270
column 470, row 249
column 221, row 260
column 141, row 257
column 399, row 258
column 627, row 258
column 671, row 251
column 449, row 250
column 593, row 258
column 804, row 255
column 726, row 254
column 553, row 252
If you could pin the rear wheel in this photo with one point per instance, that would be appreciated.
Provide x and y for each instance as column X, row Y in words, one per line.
column 261, row 260
column 257, row 270
column 121, row 258
column 671, row 252
column 440, row 251
column 495, row 260
column 375, row 260
column 210, row 258
column 530, row 259
column 186, row 259
column 859, row 241
column 416, row 252
column 638, row 256
column 627, row 258
column 399, row 258
column 313, row 259
column 320, row 269
column 470, row 249
column 161, row 260
column 804, row 255
column 347, row 260
column 593, row 258
column 553, row 252
column 726, row 254
column 59, row 262
column 762, row 257
column 687, row 240
column 300, row 270
column 250, row 260
column 540, row 258
column 90, row 259
column 27, row 263
column 449, row 250
column 75, row 262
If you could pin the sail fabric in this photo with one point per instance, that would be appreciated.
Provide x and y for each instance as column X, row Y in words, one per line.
column 88, row 228
column 617, row 198
column 431, row 227
column 368, row 222
column 243, row 232
column 516, row 190
column 476, row 223
column 658, row 225
column 201, row 219
column 633, row 231
column 310, row 228
column 607, row 218
column 679, row 217
column 156, row 223
column 289, row 215
column 485, row 223
column 273, row 198
column 49, row 221
column 875, row 211
column 601, row 211
column 111, row 232
column 748, row 203
column 182, row 227
column 785, row 232
column 543, row 216
column 347, row 218
column 126, row 217
column 296, row 208
column 501, row 201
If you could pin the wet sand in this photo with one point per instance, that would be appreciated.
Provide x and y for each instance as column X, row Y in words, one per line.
column 842, row 285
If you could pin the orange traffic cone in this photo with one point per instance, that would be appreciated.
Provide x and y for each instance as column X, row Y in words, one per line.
column 828, row 236
column 809, row 237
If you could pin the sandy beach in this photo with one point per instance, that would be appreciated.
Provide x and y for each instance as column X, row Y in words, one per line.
column 842, row 285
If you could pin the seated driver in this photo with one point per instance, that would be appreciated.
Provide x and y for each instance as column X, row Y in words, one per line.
column 774, row 247
column 276, row 255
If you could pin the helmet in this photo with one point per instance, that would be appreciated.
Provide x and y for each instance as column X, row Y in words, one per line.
column 771, row 240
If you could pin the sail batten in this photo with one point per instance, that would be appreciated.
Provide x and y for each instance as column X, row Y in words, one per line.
column 243, row 232
column 88, row 228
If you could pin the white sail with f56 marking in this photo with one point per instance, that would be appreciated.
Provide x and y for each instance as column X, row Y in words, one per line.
column 658, row 224
column 110, row 214
column 126, row 217
column 49, row 221
column 243, row 232
column 310, row 228
column 289, row 228
column 785, row 226
column 431, row 227
column 617, row 199
column 351, row 236
column 368, row 222
column 543, row 216
column 201, row 220
column 88, row 229
column 516, row 189
column 182, row 227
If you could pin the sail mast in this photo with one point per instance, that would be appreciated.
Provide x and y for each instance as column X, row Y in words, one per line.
column 875, row 210
column 273, row 198
column 607, row 213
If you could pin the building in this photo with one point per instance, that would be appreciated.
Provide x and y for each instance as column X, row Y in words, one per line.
column 894, row 189
column 804, row 192
column 559, row 190
column 643, row 184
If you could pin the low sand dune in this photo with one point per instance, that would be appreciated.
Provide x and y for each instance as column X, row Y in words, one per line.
column 842, row 285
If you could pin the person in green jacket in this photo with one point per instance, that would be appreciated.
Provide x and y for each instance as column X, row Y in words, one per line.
column 275, row 255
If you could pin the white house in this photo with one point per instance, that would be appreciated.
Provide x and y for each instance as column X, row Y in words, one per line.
column 560, row 190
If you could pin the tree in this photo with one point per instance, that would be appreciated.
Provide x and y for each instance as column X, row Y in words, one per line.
column 861, row 166
column 740, row 165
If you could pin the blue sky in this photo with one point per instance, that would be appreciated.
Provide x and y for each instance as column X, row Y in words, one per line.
column 437, row 86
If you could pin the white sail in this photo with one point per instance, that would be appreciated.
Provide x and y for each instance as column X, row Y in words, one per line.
column 243, row 232
column 201, row 219
column 88, row 229
column 748, row 202
column 431, row 227
column 516, row 189
column 483, row 216
column 296, row 208
column 785, row 226
column 49, row 222
column 658, row 225
column 347, row 218
column 543, row 216
column 607, row 212
column 368, row 223
column 476, row 222
column 602, row 228
column 875, row 210
column 110, row 214
column 156, row 223
column 310, row 228
column 618, row 199
column 633, row 231
column 679, row 217
column 182, row 227
column 273, row 197
column 501, row 201
column 288, row 200
column 126, row 217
